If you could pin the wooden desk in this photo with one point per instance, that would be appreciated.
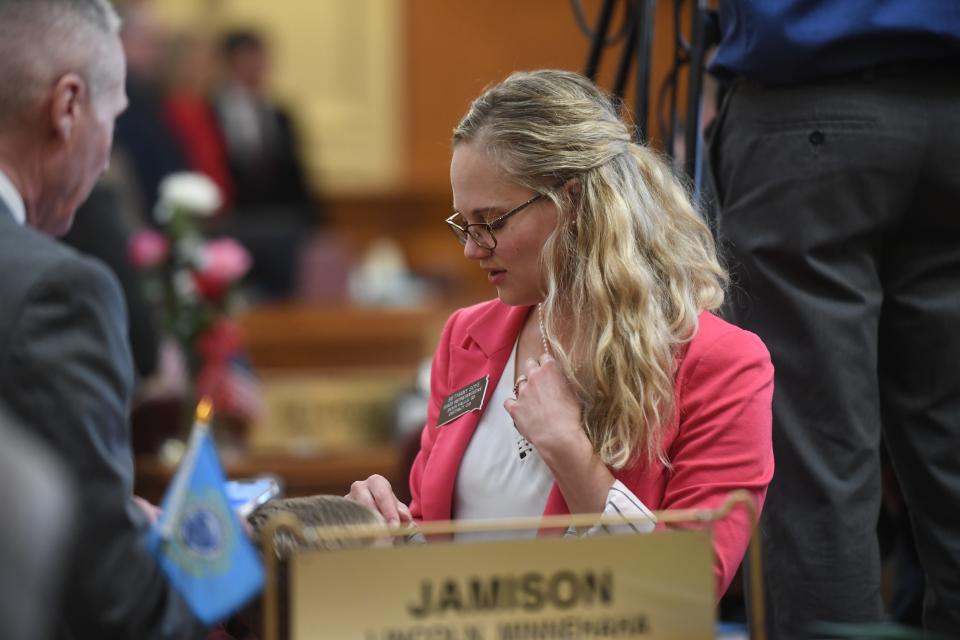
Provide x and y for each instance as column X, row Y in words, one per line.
column 305, row 337
column 319, row 474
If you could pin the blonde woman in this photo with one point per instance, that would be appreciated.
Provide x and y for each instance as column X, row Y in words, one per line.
column 608, row 379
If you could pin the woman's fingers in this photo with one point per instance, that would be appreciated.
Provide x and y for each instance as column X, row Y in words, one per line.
column 376, row 493
column 511, row 404
column 530, row 365
column 405, row 516
column 535, row 370
column 543, row 399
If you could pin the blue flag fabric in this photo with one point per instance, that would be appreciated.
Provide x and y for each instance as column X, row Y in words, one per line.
column 198, row 540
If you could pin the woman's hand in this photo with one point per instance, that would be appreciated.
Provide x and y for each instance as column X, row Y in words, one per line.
column 376, row 493
column 548, row 413
column 546, row 410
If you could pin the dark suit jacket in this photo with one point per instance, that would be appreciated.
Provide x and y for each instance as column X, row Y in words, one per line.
column 272, row 182
column 66, row 373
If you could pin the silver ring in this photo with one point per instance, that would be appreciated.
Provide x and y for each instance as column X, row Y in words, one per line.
column 516, row 387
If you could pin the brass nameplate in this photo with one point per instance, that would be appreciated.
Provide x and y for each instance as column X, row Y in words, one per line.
column 658, row 585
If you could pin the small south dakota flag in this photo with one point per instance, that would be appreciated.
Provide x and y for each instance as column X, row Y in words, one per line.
column 198, row 540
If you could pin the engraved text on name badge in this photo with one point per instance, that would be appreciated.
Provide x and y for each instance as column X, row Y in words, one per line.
column 461, row 401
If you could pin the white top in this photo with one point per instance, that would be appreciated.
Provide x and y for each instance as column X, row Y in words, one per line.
column 12, row 198
column 494, row 481
column 502, row 476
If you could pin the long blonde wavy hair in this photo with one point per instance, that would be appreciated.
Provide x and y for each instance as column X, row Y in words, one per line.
column 630, row 265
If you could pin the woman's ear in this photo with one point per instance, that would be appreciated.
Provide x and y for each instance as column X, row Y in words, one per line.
column 572, row 188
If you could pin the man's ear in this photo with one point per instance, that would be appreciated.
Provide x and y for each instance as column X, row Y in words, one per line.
column 68, row 94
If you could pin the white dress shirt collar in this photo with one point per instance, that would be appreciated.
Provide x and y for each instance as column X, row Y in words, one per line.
column 12, row 199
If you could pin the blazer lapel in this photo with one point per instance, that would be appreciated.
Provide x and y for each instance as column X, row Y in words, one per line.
column 483, row 352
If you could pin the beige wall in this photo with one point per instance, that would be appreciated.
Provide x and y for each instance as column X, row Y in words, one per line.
column 378, row 85
column 338, row 67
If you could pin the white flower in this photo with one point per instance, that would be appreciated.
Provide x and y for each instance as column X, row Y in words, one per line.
column 192, row 192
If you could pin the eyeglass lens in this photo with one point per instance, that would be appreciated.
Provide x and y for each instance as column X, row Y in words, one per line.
column 482, row 237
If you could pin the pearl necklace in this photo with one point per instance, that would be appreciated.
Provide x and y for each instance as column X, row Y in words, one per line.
column 543, row 331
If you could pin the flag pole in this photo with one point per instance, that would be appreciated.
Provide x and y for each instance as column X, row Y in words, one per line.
column 201, row 426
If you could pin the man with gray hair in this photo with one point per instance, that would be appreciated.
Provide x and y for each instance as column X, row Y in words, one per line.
column 65, row 365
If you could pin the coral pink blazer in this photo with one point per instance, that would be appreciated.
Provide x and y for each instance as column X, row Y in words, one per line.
column 719, row 442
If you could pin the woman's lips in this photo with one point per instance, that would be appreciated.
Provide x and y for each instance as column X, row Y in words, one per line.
column 496, row 276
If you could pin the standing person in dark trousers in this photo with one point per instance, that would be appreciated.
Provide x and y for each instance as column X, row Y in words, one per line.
column 836, row 158
column 65, row 365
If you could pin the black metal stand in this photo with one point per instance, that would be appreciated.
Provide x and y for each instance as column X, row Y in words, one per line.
column 638, row 47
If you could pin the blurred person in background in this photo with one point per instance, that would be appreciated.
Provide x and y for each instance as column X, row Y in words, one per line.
column 612, row 386
column 262, row 144
column 146, row 148
column 190, row 76
column 274, row 212
column 65, row 366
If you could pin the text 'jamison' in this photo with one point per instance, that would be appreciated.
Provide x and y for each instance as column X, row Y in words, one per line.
column 528, row 592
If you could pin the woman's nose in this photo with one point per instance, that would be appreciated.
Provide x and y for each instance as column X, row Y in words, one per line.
column 473, row 251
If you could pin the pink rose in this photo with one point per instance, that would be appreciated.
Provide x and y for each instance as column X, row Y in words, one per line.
column 224, row 262
column 148, row 248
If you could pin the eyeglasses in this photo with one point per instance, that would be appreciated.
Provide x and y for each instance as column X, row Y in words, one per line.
column 482, row 233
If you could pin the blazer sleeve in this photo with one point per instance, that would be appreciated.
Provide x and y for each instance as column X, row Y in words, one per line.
column 439, row 377
column 724, row 439
column 72, row 378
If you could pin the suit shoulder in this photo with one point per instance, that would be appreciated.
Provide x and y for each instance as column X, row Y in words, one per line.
column 36, row 262
column 720, row 342
column 75, row 272
column 28, row 251
column 714, row 331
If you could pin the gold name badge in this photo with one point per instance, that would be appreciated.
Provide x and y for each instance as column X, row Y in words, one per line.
column 461, row 401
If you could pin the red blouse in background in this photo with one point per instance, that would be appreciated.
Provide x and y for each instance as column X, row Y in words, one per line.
column 201, row 140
